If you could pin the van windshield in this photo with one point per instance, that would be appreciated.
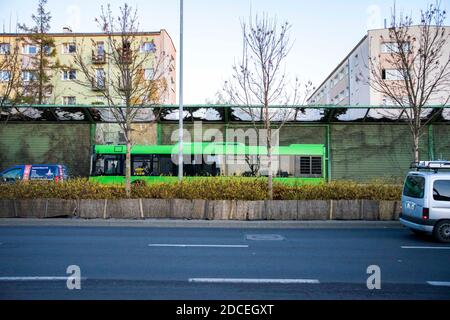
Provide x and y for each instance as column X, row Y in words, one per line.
column 414, row 186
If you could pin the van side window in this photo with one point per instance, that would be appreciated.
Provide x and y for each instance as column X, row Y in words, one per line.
column 43, row 172
column 414, row 187
column 441, row 190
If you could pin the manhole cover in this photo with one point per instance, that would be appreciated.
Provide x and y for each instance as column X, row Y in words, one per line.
column 264, row 237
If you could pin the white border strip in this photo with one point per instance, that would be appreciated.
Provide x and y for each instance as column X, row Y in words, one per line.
column 261, row 281
column 199, row 245
column 32, row 278
column 414, row 247
column 439, row 283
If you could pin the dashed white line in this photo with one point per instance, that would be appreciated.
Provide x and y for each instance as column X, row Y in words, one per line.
column 418, row 247
column 439, row 283
column 199, row 245
column 258, row 281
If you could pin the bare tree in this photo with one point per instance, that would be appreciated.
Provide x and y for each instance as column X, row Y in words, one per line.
column 259, row 80
column 414, row 70
column 135, row 80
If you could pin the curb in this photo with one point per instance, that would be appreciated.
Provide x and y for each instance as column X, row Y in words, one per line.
column 177, row 223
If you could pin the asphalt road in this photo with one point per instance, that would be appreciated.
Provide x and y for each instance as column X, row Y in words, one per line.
column 220, row 263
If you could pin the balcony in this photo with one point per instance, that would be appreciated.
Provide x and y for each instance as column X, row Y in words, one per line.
column 125, row 56
column 98, row 58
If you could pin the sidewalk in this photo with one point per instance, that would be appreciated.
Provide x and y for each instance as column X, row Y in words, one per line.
column 179, row 223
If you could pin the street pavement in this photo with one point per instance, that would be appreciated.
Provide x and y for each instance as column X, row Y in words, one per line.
column 310, row 261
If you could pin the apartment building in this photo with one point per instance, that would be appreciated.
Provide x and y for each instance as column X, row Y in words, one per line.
column 92, row 46
column 349, row 82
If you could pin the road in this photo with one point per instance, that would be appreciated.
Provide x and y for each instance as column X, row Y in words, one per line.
column 124, row 262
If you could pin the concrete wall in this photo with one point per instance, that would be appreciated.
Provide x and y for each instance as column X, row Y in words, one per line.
column 202, row 209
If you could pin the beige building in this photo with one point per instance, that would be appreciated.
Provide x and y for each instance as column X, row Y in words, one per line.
column 93, row 47
column 348, row 83
column 68, row 84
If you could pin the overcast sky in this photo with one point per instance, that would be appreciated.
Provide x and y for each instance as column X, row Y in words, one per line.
column 323, row 31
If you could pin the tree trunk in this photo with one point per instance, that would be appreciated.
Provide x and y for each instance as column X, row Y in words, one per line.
column 416, row 147
column 269, row 162
column 128, row 170
column 270, row 177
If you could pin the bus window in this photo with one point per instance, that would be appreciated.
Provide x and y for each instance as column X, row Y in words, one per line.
column 145, row 165
column 286, row 167
column 110, row 165
column 166, row 165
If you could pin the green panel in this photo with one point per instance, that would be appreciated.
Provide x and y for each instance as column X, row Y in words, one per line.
column 214, row 148
column 374, row 151
column 46, row 143
column 172, row 179
column 289, row 134
column 441, row 141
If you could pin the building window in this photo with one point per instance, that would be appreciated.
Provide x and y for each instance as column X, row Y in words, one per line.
column 69, row 100
column 100, row 78
column 47, row 50
column 69, row 48
column 30, row 49
column 100, row 46
column 5, row 75
column 392, row 74
column 69, row 75
column 149, row 74
column 148, row 47
column 394, row 47
column 29, row 76
column 4, row 48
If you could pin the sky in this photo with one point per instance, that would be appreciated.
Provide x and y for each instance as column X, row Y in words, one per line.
column 323, row 31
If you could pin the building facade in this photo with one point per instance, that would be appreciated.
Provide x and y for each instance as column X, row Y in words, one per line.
column 68, row 85
column 349, row 83
column 94, row 49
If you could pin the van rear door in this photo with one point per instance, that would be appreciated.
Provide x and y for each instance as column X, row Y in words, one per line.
column 413, row 196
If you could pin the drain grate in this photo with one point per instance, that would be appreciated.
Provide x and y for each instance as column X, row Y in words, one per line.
column 264, row 237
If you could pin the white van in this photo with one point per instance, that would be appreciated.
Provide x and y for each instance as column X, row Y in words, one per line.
column 426, row 199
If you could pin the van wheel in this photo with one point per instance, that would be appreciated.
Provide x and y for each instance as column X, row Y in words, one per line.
column 441, row 231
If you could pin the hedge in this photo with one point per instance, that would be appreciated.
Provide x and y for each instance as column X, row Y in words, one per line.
column 218, row 188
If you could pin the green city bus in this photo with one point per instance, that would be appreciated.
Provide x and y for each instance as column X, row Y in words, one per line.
column 296, row 163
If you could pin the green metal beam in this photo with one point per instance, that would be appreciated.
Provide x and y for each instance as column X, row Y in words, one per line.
column 159, row 133
column 196, row 106
column 430, row 142
column 328, row 158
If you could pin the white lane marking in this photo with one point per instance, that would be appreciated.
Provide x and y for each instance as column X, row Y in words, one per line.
column 417, row 247
column 34, row 278
column 199, row 245
column 439, row 283
column 239, row 280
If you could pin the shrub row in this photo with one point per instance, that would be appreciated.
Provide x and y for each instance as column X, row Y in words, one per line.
column 219, row 188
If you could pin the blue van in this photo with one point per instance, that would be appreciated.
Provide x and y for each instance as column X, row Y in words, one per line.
column 27, row 172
